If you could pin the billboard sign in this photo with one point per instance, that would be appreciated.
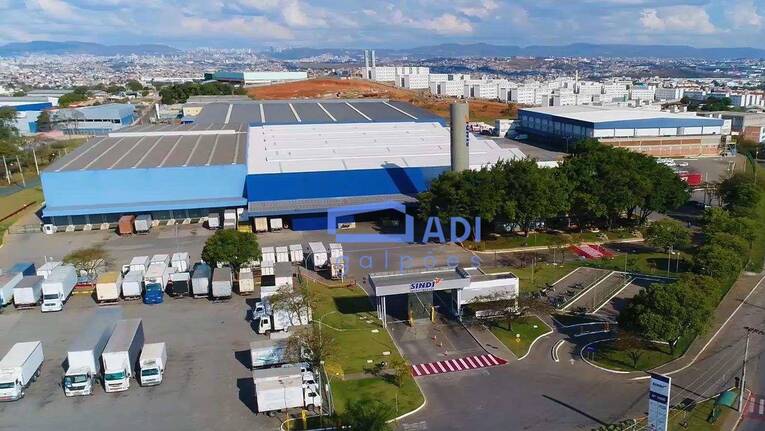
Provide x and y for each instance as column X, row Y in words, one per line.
column 658, row 402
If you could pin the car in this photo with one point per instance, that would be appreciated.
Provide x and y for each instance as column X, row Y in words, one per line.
column 666, row 162
column 681, row 164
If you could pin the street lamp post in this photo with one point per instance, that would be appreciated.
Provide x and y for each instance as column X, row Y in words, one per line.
column 749, row 331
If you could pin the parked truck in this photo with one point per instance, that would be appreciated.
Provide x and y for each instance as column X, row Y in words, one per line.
column 8, row 281
column 57, row 288
column 84, row 356
column 200, row 280
column 229, row 219
column 108, row 287
column 267, row 319
column 143, row 223
column 221, row 283
column 296, row 253
column 158, row 273
column 153, row 293
column 276, row 224
column 152, row 364
column 121, row 354
column 140, row 263
column 180, row 261
column 213, row 221
column 261, row 224
column 28, row 293
column 246, row 282
column 48, row 267
column 25, row 268
column 317, row 255
column 180, row 284
column 336, row 261
column 126, row 225
column 268, row 353
column 19, row 368
column 132, row 285
column 285, row 387
column 160, row 258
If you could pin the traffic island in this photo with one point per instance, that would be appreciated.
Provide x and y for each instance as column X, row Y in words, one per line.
column 520, row 334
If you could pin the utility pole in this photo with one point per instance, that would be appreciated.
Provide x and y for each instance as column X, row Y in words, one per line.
column 7, row 172
column 669, row 260
column 23, row 181
column 749, row 331
column 37, row 167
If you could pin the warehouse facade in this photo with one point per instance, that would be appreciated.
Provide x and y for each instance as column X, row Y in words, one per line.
column 658, row 134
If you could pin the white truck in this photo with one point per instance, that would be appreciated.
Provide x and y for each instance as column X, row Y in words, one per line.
column 158, row 273
column 84, row 356
column 143, row 223
column 296, row 253
column 8, row 282
column 229, row 219
column 261, row 224
column 221, row 283
column 160, row 258
column 139, row 263
column 276, row 224
column 108, row 287
column 213, row 221
column 28, row 292
column 267, row 254
column 278, row 389
column 268, row 320
column 132, row 284
column 57, row 288
column 267, row 353
column 317, row 254
column 121, row 354
column 19, row 368
column 282, row 254
column 48, row 267
column 152, row 363
column 200, row 280
column 246, row 281
column 181, row 262
column 336, row 261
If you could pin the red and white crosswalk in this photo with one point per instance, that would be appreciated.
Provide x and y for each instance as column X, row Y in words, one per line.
column 458, row 364
column 755, row 407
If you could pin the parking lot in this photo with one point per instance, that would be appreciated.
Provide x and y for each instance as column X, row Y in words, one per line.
column 207, row 383
column 573, row 284
column 592, row 298
column 617, row 303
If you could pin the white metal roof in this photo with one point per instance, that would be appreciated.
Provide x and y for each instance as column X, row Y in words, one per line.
column 333, row 147
column 597, row 114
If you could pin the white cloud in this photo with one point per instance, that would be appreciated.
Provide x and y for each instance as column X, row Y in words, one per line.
column 447, row 24
column 255, row 27
column 296, row 14
column 52, row 8
column 744, row 14
column 683, row 19
column 482, row 9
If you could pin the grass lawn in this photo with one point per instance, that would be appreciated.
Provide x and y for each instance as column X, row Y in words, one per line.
column 696, row 419
column 11, row 203
column 544, row 273
column 757, row 254
column 545, row 239
column 349, row 318
column 646, row 263
column 607, row 356
column 529, row 328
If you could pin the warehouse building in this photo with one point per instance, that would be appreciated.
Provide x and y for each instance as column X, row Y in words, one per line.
column 28, row 109
column 654, row 133
column 256, row 78
column 93, row 120
column 292, row 159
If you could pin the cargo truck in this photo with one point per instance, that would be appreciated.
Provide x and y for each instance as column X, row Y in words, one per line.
column 153, row 293
column 267, row 254
column 221, row 283
column 152, row 364
column 108, row 287
column 296, row 253
column 125, row 225
column 267, row 319
column 317, row 256
column 285, row 387
column 19, row 368
column 180, row 283
column 282, row 254
column 140, row 263
column 142, row 224
column 246, row 282
column 57, row 288
column 276, row 224
column 28, row 293
column 158, row 273
column 48, row 267
column 268, row 353
column 160, row 258
column 261, row 224
column 84, row 356
column 121, row 354
column 180, row 261
column 336, row 261
column 200, row 280
column 229, row 219
column 213, row 221
column 132, row 285
column 8, row 281
column 25, row 268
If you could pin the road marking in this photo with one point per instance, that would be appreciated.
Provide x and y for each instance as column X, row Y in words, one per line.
column 443, row 370
column 449, row 365
column 457, row 364
column 416, row 371
column 762, row 405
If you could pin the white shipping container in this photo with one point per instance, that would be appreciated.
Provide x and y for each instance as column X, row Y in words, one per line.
column 317, row 255
column 108, row 287
column 229, row 219
column 261, row 224
column 160, row 258
column 221, row 283
column 268, row 254
column 246, row 281
column 139, row 263
column 282, row 254
column 267, row 268
column 181, row 262
column 8, row 282
column 276, row 224
column 296, row 253
column 157, row 273
column 213, row 221
column 142, row 223
column 132, row 284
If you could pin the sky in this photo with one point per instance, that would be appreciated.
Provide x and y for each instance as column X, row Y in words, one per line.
column 385, row 24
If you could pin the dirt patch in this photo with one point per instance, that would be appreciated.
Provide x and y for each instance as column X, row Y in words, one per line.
column 486, row 111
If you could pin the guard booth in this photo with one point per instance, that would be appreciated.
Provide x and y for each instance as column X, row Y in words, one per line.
column 418, row 295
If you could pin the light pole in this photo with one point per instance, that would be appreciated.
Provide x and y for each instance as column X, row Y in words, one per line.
column 749, row 331
column 669, row 259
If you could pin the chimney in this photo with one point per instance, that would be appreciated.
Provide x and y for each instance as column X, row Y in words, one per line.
column 374, row 66
column 459, row 136
column 366, row 65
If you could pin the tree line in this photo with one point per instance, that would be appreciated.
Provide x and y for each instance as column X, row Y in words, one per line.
column 179, row 93
column 597, row 185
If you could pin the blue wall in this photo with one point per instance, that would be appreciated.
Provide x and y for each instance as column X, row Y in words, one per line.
column 137, row 190
column 332, row 184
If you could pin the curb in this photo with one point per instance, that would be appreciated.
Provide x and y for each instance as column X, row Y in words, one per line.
column 531, row 346
column 484, row 348
column 544, row 247
column 598, row 366
column 555, row 348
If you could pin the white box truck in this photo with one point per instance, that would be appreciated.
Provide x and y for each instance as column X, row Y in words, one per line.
column 108, row 287
column 267, row 254
column 160, row 258
column 229, row 219
column 276, row 224
column 282, row 254
column 28, row 293
column 142, row 224
column 140, row 263
column 221, row 283
column 8, row 281
column 246, row 282
column 181, row 262
column 261, row 224
column 132, row 285
column 57, row 288
column 317, row 255
column 152, row 363
column 213, row 221
column 266, row 269
column 268, row 353
column 19, row 368
column 158, row 273
column 296, row 253
column 84, row 356
column 336, row 261
column 278, row 388
column 269, row 320
column 48, row 267
column 200, row 280
column 121, row 354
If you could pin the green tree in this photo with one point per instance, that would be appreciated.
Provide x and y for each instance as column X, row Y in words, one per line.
column 634, row 345
column 733, row 242
column 739, row 193
column 134, row 85
column 43, row 122
column 367, row 414
column 719, row 262
column 668, row 233
column 309, row 344
column 232, row 247
column 78, row 95
column 114, row 89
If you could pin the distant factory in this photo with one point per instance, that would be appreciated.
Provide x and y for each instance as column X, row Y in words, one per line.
column 255, row 78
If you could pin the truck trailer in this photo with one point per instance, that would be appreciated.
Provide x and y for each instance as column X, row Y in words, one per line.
column 160, row 258
column 200, row 280
column 158, row 273
column 213, row 221
column 296, row 253
column 268, row 353
column 221, row 283
column 229, row 219
column 19, row 368
column 180, row 284
column 181, row 262
column 25, row 268
column 261, row 224
column 121, row 354
column 152, row 364
column 126, row 225
column 143, row 223
column 57, row 288
column 108, row 287
column 28, row 293
column 48, row 267
column 246, row 282
column 84, row 355
column 132, row 285
column 317, row 255
column 8, row 281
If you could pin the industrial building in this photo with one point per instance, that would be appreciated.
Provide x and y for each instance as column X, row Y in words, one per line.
column 747, row 125
column 654, row 133
column 291, row 159
column 256, row 78
column 28, row 109
column 96, row 120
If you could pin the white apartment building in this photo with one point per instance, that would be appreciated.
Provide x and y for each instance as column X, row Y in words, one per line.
column 480, row 89
column 448, row 88
column 563, row 97
column 615, row 90
column 524, row 95
column 695, row 94
column 384, row 74
column 642, row 93
column 413, row 82
column 669, row 94
column 747, row 99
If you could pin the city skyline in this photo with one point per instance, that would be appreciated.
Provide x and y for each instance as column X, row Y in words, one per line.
column 331, row 23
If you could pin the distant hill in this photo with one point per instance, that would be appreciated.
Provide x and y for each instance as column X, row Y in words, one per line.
column 71, row 47
column 455, row 50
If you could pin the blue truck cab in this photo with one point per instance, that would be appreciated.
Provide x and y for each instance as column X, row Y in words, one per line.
column 153, row 294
